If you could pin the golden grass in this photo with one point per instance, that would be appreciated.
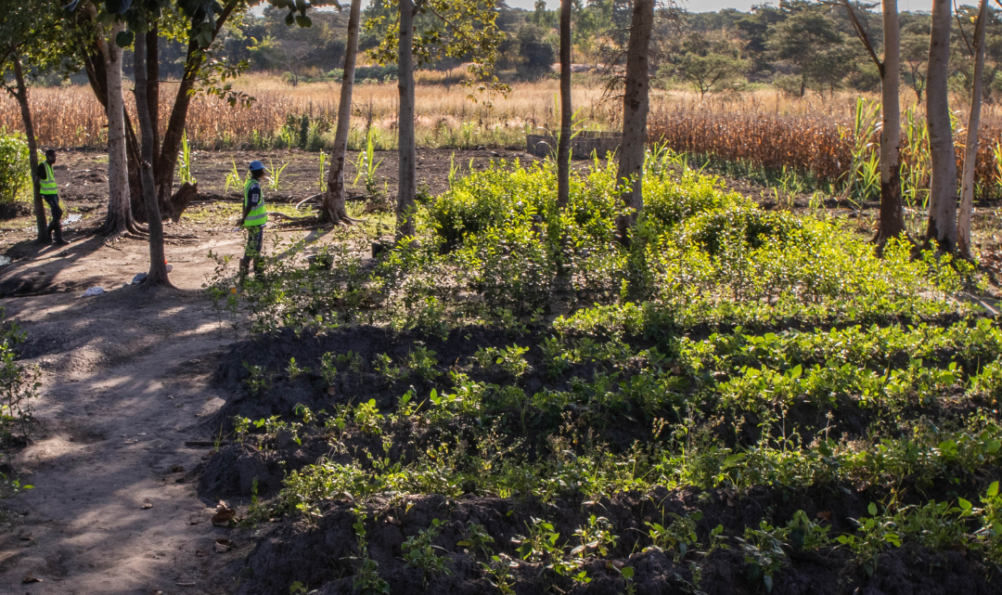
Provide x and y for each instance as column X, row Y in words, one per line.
column 70, row 117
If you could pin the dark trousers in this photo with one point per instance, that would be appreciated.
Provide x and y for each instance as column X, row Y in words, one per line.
column 255, row 243
column 55, row 226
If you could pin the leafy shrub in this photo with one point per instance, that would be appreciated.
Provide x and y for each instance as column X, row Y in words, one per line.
column 751, row 225
column 15, row 166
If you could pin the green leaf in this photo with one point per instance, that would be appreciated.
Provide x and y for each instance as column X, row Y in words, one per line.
column 768, row 583
column 124, row 39
column 872, row 509
column 627, row 572
column 304, row 22
column 993, row 490
column 289, row 19
column 964, row 504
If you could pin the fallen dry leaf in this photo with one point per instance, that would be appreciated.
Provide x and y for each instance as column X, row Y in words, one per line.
column 147, row 503
column 330, row 390
column 825, row 515
column 200, row 553
column 30, row 578
column 393, row 521
column 223, row 545
column 224, row 515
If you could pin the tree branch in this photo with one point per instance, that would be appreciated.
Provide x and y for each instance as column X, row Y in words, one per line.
column 960, row 25
column 863, row 36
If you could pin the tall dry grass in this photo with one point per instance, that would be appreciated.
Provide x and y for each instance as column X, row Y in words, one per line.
column 70, row 117
column 814, row 137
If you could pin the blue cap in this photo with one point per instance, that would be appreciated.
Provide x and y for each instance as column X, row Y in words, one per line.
column 256, row 166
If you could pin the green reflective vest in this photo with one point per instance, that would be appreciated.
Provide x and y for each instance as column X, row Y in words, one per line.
column 258, row 215
column 48, row 184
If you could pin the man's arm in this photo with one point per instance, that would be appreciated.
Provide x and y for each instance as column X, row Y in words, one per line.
column 40, row 173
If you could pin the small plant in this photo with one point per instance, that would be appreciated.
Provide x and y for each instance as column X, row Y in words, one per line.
column 477, row 539
column 258, row 380
column 367, row 579
column 384, row 365
column 511, row 359
column 367, row 166
column 327, row 368
column 499, row 573
column 679, row 536
column 763, row 553
column 368, row 418
column 352, row 360
column 233, row 179
column 186, row 159
column 18, row 387
column 596, row 537
column 419, row 552
column 294, row 370
column 422, row 361
column 874, row 534
column 275, row 176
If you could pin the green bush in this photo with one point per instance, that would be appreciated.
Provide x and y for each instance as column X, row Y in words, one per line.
column 15, row 167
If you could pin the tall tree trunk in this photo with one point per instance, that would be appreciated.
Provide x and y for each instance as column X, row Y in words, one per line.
column 636, row 104
column 971, row 146
column 892, row 218
column 942, row 228
column 29, row 133
column 119, row 219
column 157, row 277
column 166, row 161
column 153, row 88
column 333, row 209
column 564, row 143
column 406, row 186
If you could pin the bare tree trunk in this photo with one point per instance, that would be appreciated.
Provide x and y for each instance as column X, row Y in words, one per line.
column 166, row 161
column 153, row 88
column 408, row 153
column 564, row 143
column 333, row 209
column 157, row 277
column 892, row 218
column 636, row 104
column 971, row 146
column 942, row 228
column 29, row 133
column 119, row 219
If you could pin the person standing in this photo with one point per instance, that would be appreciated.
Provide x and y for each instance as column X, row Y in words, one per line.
column 50, row 194
column 255, row 215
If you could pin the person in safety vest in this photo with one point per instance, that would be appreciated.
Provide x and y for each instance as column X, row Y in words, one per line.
column 50, row 194
column 255, row 215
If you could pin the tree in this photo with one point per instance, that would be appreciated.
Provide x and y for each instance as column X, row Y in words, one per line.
column 942, row 226
column 892, row 222
column 810, row 40
column 973, row 125
column 31, row 29
column 915, row 57
column 157, row 276
column 710, row 71
column 119, row 217
column 464, row 29
column 564, row 142
column 333, row 209
column 636, row 104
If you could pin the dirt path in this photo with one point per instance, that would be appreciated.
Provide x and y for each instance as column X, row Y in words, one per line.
column 126, row 383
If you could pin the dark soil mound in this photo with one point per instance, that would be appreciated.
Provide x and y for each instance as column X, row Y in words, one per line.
column 325, row 556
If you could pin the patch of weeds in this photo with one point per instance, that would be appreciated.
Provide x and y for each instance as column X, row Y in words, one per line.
column 422, row 361
column 258, row 380
column 419, row 552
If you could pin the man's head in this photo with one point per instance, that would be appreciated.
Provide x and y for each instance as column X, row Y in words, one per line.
column 50, row 155
column 257, row 170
